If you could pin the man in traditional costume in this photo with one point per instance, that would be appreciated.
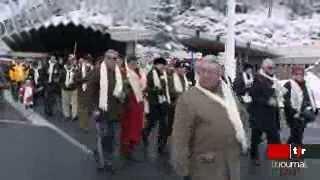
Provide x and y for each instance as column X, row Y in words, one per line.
column 178, row 84
column 159, row 99
column 37, row 75
column 69, row 93
column 51, row 86
column 86, row 66
column 243, row 83
column 105, row 84
column 208, row 134
column 241, row 86
column 266, row 94
column 133, row 110
column 299, row 105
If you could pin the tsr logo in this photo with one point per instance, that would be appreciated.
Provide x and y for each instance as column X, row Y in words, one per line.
column 297, row 151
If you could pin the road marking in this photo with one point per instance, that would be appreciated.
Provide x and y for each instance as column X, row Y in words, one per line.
column 6, row 121
column 37, row 120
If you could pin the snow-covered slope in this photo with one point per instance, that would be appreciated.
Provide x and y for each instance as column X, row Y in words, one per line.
column 255, row 27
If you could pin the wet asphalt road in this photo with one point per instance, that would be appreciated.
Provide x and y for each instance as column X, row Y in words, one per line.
column 38, row 153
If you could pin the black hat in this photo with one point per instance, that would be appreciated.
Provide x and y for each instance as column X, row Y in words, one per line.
column 160, row 61
column 186, row 65
column 132, row 59
column 247, row 66
column 179, row 64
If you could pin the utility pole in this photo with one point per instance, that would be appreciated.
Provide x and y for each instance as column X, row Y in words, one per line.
column 229, row 58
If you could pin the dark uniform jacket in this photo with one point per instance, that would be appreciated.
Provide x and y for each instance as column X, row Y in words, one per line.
column 75, row 83
column 153, row 91
column 289, row 110
column 54, row 85
column 114, row 104
column 239, row 87
column 84, row 97
column 174, row 95
column 265, row 117
column 42, row 76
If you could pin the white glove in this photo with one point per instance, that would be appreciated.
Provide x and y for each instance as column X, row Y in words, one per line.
column 296, row 116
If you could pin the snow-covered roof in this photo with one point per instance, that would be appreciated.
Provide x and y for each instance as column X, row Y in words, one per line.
column 98, row 22
column 299, row 51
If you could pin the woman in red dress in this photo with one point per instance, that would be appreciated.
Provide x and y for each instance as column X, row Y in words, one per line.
column 133, row 112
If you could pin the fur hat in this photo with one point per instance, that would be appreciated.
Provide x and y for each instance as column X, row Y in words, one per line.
column 160, row 61
column 247, row 66
column 179, row 64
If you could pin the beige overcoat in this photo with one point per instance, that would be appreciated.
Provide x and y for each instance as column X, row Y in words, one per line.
column 204, row 145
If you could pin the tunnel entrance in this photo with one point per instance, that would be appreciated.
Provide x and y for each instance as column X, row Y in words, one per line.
column 61, row 40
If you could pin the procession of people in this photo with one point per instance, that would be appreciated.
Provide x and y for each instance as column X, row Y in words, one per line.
column 203, row 127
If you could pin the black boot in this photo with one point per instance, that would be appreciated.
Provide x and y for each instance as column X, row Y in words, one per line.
column 145, row 138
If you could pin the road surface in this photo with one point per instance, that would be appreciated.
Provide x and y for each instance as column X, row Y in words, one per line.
column 31, row 152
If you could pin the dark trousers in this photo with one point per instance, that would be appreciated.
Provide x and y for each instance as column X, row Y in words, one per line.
column 15, row 91
column 158, row 114
column 108, row 140
column 171, row 112
column 50, row 100
column 296, row 132
column 106, row 133
column 273, row 137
